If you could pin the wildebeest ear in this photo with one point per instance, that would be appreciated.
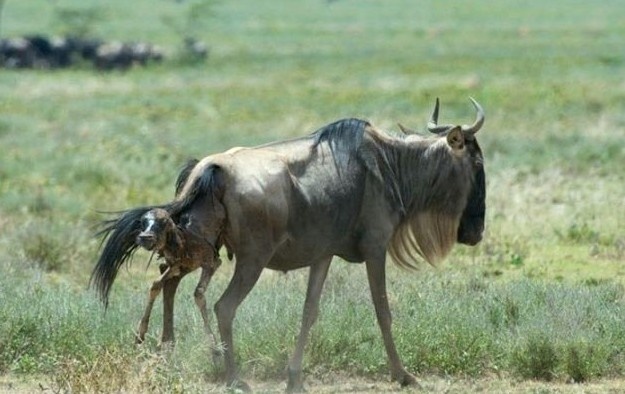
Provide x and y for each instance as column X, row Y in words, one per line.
column 455, row 138
column 405, row 129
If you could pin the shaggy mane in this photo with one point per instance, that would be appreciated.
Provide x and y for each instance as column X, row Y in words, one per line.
column 344, row 137
column 430, row 235
column 429, row 225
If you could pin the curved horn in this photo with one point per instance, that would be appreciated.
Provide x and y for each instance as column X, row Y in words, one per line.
column 479, row 119
column 433, row 125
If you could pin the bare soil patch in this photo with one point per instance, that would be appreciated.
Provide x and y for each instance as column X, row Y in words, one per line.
column 451, row 385
column 337, row 383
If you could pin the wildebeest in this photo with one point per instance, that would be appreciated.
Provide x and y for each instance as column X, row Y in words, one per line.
column 39, row 51
column 121, row 56
column 16, row 53
column 349, row 190
column 195, row 49
column 184, row 250
column 36, row 51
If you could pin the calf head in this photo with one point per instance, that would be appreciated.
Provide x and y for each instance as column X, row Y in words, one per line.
column 157, row 230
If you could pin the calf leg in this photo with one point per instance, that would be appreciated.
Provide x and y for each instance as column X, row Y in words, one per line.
column 316, row 278
column 154, row 292
column 170, row 286
column 377, row 283
column 207, row 273
column 246, row 273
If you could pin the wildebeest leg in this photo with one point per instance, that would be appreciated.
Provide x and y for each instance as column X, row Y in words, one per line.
column 154, row 291
column 376, row 273
column 316, row 278
column 207, row 273
column 170, row 287
column 246, row 273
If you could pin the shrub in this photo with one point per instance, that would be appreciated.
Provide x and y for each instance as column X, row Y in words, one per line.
column 536, row 359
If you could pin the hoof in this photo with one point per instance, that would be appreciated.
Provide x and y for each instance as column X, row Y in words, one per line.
column 217, row 357
column 296, row 383
column 166, row 347
column 295, row 388
column 139, row 340
column 239, row 386
column 408, row 380
column 405, row 379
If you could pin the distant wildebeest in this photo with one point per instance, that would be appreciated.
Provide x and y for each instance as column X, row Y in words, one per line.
column 37, row 51
column 195, row 49
column 42, row 52
column 121, row 56
column 16, row 53
column 51, row 53
column 348, row 190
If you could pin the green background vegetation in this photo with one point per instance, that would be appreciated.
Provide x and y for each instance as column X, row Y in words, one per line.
column 541, row 297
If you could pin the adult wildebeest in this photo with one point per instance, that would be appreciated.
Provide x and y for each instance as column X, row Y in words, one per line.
column 348, row 190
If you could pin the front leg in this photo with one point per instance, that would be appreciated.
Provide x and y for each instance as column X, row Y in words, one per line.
column 170, row 287
column 376, row 274
column 155, row 289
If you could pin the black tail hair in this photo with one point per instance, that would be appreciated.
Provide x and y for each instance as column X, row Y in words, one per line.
column 120, row 233
column 207, row 184
column 184, row 174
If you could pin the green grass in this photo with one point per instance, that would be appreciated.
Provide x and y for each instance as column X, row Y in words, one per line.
column 540, row 298
column 446, row 323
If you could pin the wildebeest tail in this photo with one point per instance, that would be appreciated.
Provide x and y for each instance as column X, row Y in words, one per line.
column 119, row 236
column 203, row 181
column 184, row 174
column 120, row 233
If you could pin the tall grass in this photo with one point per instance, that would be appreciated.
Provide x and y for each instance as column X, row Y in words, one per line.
column 445, row 324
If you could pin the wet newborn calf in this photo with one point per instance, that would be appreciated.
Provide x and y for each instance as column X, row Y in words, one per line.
column 184, row 250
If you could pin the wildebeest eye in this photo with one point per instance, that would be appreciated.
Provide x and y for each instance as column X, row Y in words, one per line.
column 185, row 220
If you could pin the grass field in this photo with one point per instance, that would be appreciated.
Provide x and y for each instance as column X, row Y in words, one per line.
column 541, row 298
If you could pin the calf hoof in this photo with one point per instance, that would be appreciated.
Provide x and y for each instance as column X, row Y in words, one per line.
column 239, row 386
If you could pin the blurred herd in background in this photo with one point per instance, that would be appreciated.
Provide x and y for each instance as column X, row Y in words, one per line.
column 42, row 52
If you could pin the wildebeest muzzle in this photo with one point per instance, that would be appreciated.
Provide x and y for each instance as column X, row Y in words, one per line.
column 146, row 240
column 470, row 231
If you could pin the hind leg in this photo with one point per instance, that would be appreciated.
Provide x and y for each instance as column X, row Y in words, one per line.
column 316, row 278
column 200, row 300
column 246, row 274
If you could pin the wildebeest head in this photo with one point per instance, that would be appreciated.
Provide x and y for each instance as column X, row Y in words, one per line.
column 472, row 221
column 157, row 230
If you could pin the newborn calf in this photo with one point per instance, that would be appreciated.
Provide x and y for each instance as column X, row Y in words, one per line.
column 184, row 250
